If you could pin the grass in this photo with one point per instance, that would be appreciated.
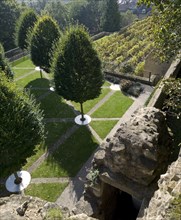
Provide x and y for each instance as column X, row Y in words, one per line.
column 69, row 157
column 115, row 107
column 22, row 59
column 91, row 103
column 39, row 150
column 46, row 191
column 106, row 83
column 55, row 107
column 53, row 132
column 53, row 213
column 174, row 210
column 25, row 64
column 21, row 72
column 102, row 128
column 37, row 93
column 32, row 80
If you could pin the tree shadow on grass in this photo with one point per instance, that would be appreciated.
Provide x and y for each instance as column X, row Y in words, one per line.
column 54, row 106
column 38, row 83
column 70, row 156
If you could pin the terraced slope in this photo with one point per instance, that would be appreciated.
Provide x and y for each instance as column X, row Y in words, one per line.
column 126, row 52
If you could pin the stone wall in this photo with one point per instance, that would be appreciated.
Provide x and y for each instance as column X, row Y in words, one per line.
column 169, row 188
column 20, row 207
column 131, row 162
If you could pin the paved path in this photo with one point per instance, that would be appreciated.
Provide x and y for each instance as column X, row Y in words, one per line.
column 50, row 180
column 25, row 75
column 52, row 148
column 102, row 101
column 74, row 190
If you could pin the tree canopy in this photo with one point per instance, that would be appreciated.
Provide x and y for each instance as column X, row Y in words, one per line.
column 58, row 11
column 110, row 20
column 4, row 65
column 21, row 126
column 77, row 68
column 167, row 29
column 9, row 12
column 172, row 104
column 24, row 25
column 45, row 33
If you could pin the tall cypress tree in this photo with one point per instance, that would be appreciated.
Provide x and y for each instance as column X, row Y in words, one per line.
column 110, row 20
column 77, row 68
column 45, row 33
column 9, row 12
column 23, row 26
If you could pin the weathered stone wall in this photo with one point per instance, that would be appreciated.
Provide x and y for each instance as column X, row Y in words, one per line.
column 19, row 207
column 169, row 188
column 130, row 161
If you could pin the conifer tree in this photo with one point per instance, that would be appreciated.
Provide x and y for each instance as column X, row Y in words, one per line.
column 110, row 20
column 24, row 25
column 45, row 33
column 77, row 68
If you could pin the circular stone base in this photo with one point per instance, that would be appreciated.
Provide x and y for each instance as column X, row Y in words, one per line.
column 85, row 122
column 12, row 187
column 115, row 87
column 52, row 89
column 37, row 68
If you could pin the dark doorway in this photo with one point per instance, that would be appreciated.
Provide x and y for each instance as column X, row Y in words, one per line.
column 118, row 205
column 127, row 207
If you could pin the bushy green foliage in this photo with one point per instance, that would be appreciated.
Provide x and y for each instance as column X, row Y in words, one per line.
column 140, row 68
column 54, row 213
column 23, row 26
column 86, row 12
column 166, row 28
column 58, row 11
column 45, row 34
column 127, row 18
column 172, row 104
column 21, row 126
column 77, row 68
column 4, row 65
column 9, row 12
column 110, row 20
column 122, row 52
column 174, row 210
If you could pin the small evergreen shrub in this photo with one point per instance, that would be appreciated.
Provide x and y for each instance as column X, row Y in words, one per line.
column 131, row 88
column 127, row 68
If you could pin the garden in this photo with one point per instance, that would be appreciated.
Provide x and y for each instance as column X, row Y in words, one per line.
column 67, row 146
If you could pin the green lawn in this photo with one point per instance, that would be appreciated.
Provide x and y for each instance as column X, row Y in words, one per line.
column 102, row 128
column 55, row 107
column 115, row 107
column 25, row 64
column 69, row 157
column 106, row 83
column 53, row 132
column 21, row 72
column 91, row 103
column 33, row 80
column 37, row 93
column 38, row 151
column 46, row 191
